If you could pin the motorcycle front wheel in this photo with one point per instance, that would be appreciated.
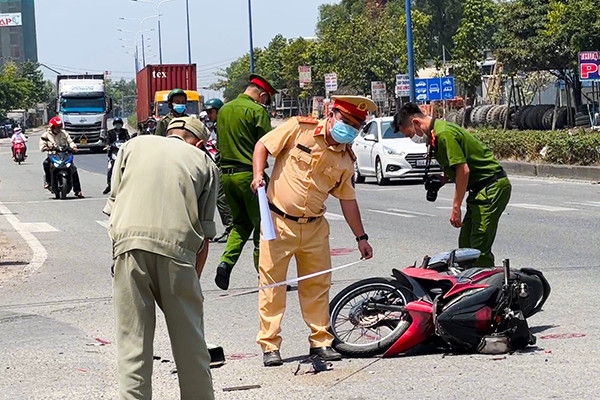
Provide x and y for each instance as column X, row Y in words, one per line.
column 359, row 330
column 64, row 186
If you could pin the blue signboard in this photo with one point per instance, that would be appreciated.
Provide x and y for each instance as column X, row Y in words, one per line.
column 447, row 88
column 421, row 89
column 431, row 89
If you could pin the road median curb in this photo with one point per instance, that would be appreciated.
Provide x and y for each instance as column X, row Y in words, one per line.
column 586, row 173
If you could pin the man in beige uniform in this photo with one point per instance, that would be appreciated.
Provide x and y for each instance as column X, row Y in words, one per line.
column 313, row 159
column 161, row 209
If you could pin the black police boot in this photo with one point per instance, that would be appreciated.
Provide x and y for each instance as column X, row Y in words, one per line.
column 272, row 359
column 325, row 353
column 223, row 273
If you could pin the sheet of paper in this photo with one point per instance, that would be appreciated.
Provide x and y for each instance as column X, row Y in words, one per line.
column 266, row 222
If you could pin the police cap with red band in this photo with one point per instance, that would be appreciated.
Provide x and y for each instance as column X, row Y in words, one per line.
column 355, row 106
column 263, row 83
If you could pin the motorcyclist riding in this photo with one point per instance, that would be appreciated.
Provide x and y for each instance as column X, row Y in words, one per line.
column 50, row 141
column 117, row 133
column 150, row 126
column 19, row 137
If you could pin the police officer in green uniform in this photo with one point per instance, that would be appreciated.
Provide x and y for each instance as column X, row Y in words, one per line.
column 242, row 122
column 161, row 211
column 177, row 101
column 473, row 168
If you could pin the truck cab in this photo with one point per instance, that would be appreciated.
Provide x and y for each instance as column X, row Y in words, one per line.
column 161, row 106
column 83, row 106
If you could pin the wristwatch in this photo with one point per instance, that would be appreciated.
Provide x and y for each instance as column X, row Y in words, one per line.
column 363, row 237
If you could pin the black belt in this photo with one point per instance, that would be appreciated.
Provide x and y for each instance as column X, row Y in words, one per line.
column 301, row 220
column 235, row 170
column 488, row 181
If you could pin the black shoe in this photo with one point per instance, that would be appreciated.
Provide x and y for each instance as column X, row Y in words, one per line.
column 272, row 359
column 221, row 239
column 107, row 190
column 223, row 273
column 325, row 353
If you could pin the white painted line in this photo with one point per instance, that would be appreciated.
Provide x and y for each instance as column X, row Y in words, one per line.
column 541, row 207
column 450, row 208
column 587, row 203
column 411, row 212
column 103, row 224
column 384, row 190
column 39, row 252
column 334, row 217
column 392, row 213
column 38, row 227
column 55, row 201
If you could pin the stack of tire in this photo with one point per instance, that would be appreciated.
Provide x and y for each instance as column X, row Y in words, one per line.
column 538, row 117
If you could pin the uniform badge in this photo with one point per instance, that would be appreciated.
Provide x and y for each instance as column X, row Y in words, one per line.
column 318, row 130
column 362, row 106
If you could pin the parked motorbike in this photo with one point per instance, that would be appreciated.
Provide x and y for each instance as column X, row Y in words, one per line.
column 19, row 151
column 445, row 300
column 61, row 172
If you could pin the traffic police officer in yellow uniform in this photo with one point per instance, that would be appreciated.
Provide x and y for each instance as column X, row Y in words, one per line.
column 472, row 166
column 161, row 207
column 242, row 122
column 313, row 159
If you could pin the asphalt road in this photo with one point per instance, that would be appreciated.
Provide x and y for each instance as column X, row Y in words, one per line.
column 57, row 313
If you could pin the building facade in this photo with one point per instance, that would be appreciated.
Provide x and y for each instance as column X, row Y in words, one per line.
column 18, row 40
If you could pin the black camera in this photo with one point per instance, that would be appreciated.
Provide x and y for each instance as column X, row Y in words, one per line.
column 433, row 183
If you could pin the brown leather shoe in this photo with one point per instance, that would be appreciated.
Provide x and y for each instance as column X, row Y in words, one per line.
column 272, row 358
column 325, row 353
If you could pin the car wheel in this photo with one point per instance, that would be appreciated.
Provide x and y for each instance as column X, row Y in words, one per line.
column 358, row 178
column 381, row 180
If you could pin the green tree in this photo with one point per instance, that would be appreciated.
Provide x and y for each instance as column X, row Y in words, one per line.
column 123, row 94
column 473, row 37
column 43, row 90
column 15, row 91
column 445, row 19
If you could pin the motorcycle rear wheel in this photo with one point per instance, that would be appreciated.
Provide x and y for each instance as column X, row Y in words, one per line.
column 376, row 330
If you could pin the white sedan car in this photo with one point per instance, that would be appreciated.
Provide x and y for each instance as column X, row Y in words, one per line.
column 385, row 154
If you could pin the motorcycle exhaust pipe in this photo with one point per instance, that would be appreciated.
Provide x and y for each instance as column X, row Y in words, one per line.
column 506, row 265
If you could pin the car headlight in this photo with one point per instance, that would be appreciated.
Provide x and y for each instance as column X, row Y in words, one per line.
column 393, row 152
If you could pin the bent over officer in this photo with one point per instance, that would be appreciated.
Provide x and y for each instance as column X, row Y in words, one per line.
column 471, row 165
column 177, row 103
column 313, row 159
column 242, row 122
column 160, row 228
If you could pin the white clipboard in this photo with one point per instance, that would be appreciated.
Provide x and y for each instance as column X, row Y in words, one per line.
column 266, row 222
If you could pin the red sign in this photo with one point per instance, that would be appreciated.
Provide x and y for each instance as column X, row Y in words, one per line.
column 589, row 65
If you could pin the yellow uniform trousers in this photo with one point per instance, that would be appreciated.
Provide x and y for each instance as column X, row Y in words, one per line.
column 143, row 279
column 309, row 244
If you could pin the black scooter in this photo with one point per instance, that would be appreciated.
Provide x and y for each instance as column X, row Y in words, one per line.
column 61, row 172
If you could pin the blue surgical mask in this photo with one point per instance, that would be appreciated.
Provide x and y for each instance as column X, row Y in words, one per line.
column 343, row 133
column 179, row 108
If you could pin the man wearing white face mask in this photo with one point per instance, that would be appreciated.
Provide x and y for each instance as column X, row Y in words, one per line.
column 472, row 166
column 313, row 159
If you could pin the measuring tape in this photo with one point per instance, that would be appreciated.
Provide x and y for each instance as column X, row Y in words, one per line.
column 287, row 282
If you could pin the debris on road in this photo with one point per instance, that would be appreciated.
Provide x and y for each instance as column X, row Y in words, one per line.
column 313, row 365
column 238, row 388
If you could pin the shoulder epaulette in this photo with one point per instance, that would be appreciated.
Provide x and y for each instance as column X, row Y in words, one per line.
column 307, row 120
column 351, row 153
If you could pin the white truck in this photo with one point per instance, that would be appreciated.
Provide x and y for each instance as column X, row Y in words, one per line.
column 83, row 106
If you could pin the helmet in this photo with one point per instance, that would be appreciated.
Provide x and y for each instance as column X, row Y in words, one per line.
column 175, row 92
column 117, row 120
column 56, row 122
column 17, row 130
column 213, row 103
column 202, row 115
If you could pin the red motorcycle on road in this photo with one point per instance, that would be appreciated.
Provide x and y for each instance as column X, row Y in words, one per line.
column 19, row 152
column 444, row 300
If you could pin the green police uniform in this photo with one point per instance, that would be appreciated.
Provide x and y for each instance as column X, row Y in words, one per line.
column 158, row 226
column 489, row 188
column 161, row 127
column 242, row 122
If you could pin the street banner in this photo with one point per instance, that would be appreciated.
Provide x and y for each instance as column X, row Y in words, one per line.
column 331, row 84
column 589, row 65
column 304, row 74
column 402, row 85
column 378, row 91
column 13, row 19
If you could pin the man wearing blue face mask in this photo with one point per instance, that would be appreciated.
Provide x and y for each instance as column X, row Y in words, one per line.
column 313, row 159
column 177, row 101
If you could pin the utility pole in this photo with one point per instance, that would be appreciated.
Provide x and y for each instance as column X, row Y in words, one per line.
column 409, row 45
column 187, row 12
column 251, row 42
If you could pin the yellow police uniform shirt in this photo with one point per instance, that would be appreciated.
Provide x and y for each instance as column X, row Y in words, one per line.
column 307, row 169
column 163, row 198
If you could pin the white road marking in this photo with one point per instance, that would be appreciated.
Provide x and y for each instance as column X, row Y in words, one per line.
column 334, row 217
column 103, row 224
column 392, row 213
column 55, row 201
column 410, row 212
column 542, row 207
column 38, row 227
column 450, row 208
column 39, row 252
column 384, row 190
column 587, row 203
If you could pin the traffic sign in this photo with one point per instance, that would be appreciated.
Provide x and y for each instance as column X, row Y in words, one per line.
column 431, row 89
column 448, row 88
column 331, row 82
column 421, row 90
column 434, row 90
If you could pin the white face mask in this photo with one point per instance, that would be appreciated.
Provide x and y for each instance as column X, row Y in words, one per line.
column 416, row 138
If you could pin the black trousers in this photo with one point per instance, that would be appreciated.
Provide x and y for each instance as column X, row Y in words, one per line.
column 75, row 174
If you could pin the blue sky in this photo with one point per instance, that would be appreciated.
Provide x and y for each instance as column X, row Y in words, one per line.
column 76, row 36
